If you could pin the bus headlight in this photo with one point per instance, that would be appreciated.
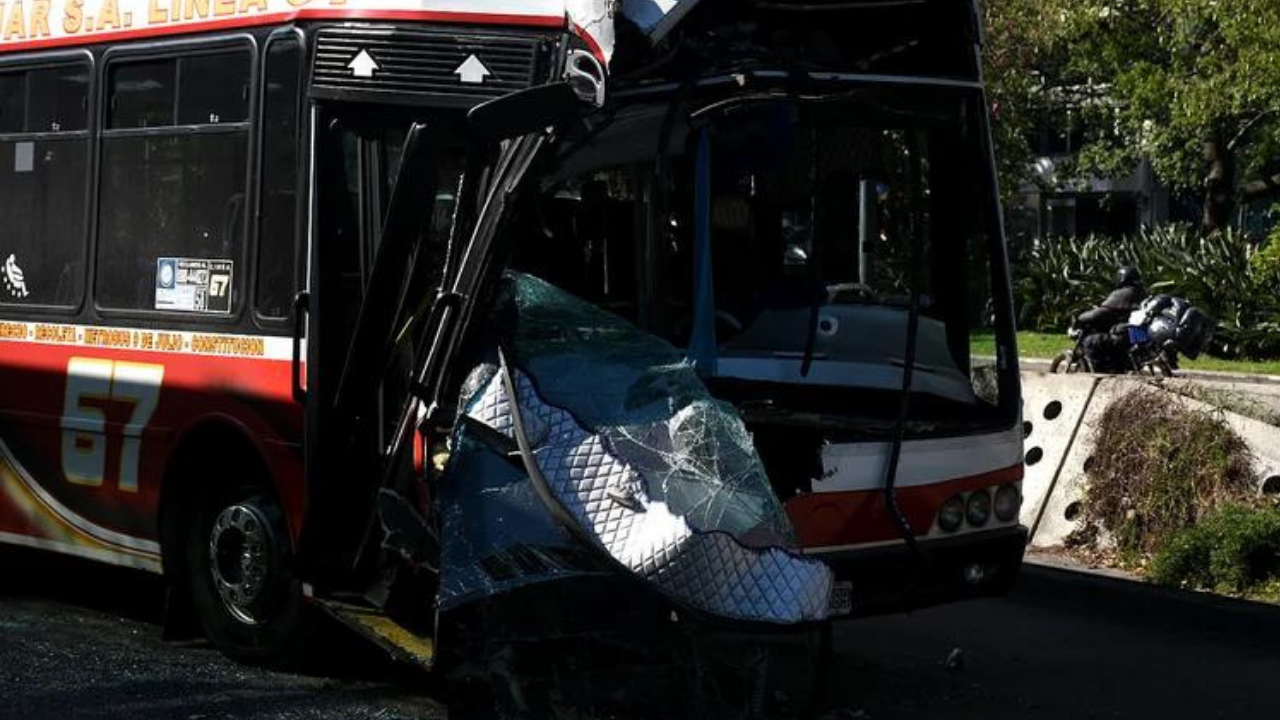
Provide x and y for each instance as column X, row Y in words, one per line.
column 1008, row 502
column 978, row 509
column 951, row 514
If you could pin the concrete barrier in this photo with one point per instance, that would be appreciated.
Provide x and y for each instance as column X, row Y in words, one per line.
column 1263, row 440
column 1061, row 413
column 1062, row 511
column 1052, row 408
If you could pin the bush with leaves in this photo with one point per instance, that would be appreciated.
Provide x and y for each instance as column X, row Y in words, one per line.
column 1224, row 274
column 1235, row 549
column 1264, row 266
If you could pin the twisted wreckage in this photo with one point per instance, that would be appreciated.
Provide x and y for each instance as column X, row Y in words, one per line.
column 701, row 339
column 702, row 330
column 623, row 451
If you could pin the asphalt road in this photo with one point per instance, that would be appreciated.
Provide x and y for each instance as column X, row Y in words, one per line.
column 81, row 641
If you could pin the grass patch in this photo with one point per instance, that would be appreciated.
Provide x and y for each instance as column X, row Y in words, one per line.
column 1237, row 402
column 1160, row 467
column 1253, row 367
column 1046, row 345
column 1030, row 344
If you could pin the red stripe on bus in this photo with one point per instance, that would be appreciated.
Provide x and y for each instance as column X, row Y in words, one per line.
column 252, row 396
column 456, row 18
column 861, row 516
column 592, row 44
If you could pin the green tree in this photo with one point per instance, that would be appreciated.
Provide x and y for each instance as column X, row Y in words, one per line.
column 1021, row 45
column 1191, row 85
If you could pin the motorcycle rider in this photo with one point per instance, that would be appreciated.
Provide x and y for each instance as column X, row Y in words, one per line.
column 1104, row 326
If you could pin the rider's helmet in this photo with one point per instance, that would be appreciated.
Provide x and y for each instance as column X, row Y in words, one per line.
column 1128, row 276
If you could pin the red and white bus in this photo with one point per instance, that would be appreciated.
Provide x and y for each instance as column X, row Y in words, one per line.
column 249, row 246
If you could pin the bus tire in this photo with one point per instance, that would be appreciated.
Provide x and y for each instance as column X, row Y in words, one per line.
column 239, row 571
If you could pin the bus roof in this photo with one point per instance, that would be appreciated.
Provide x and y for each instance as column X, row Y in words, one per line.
column 37, row 24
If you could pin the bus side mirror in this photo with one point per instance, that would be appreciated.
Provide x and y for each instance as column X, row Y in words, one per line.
column 523, row 112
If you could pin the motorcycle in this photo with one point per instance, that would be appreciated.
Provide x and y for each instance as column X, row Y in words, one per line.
column 1163, row 327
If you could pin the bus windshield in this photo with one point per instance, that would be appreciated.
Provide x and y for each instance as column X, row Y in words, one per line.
column 779, row 236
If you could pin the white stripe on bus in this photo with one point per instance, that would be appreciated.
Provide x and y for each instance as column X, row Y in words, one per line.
column 114, row 557
column 151, row 340
column 70, row 517
column 850, row 467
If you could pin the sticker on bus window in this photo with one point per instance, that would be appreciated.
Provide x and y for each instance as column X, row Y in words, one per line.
column 24, row 157
column 15, row 283
column 190, row 285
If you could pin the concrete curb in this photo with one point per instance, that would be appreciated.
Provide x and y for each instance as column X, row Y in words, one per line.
column 1042, row 365
column 1133, row 600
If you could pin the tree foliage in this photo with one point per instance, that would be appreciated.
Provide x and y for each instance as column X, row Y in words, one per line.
column 1175, row 81
column 1021, row 42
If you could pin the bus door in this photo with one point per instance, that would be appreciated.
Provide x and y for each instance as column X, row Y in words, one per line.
column 401, row 254
column 380, row 241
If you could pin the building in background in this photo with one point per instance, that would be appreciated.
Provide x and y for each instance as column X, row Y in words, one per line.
column 1058, row 202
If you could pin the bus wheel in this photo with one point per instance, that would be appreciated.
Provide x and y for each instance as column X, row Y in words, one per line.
column 242, row 588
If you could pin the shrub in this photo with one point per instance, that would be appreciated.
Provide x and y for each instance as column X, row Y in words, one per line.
column 1159, row 467
column 1264, row 266
column 1235, row 549
column 1224, row 274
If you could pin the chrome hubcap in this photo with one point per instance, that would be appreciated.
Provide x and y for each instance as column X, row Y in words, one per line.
column 240, row 551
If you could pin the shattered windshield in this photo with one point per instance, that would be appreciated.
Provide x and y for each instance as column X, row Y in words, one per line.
column 778, row 238
column 628, row 443
column 636, row 390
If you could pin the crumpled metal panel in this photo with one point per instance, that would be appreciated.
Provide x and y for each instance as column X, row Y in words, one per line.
column 648, row 472
column 496, row 534
column 711, row 571
column 654, row 18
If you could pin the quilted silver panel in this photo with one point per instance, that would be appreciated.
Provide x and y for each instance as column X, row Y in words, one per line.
column 709, row 570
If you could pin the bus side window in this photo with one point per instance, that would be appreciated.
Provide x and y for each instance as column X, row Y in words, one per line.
column 213, row 89
column 44, row 146
column 174, row 162
column 281, row 253
column 13, row 102
column 141, row 94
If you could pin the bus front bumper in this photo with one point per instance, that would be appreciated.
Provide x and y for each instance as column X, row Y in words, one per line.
column 888, row 579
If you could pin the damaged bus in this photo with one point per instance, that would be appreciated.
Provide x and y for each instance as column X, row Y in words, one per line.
column 464, row 319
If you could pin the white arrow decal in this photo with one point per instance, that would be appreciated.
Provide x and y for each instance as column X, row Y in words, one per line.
column 472, row 71
column 363, row 65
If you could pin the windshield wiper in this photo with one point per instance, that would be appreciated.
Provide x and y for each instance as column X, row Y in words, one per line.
column 815, row 307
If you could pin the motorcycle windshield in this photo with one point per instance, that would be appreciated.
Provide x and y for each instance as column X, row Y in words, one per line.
column 659, row 477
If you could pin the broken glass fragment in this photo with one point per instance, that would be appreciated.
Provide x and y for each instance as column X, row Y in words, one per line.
column 659, row 477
